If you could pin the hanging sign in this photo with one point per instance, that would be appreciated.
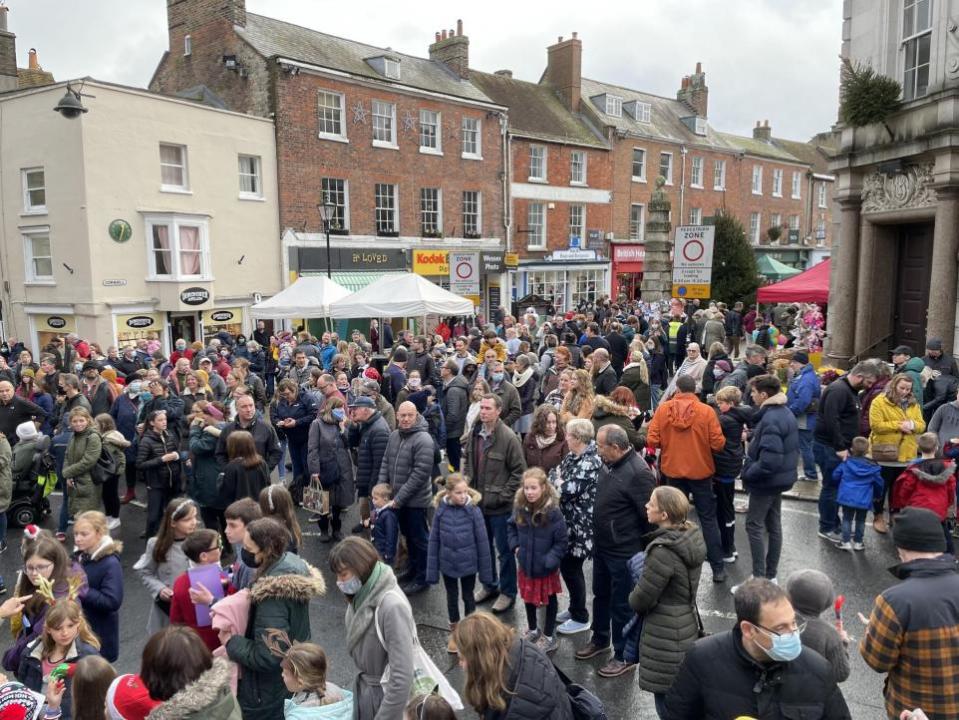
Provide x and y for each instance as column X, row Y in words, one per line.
column 693, row 261
column 464, row 273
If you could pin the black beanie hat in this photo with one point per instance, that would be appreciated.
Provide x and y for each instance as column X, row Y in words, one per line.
column 919, row 530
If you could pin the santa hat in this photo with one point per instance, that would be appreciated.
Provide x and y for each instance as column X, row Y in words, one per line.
column 371, row 373
column 129, row 699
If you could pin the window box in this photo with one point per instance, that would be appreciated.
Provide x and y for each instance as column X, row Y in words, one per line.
column 387, row 233
column 472, row 235
column 432, row 234
column 339, row 231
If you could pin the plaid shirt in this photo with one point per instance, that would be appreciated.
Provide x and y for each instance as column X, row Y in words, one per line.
column 913, row 635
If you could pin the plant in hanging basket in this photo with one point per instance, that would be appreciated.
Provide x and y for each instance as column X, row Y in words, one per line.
column 865, row 96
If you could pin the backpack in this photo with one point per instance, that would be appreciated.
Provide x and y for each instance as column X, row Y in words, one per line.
column 585, row 705
column 107, row 466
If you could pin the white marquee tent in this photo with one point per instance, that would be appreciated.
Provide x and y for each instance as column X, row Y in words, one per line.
column 401, row 295
column 309, row 297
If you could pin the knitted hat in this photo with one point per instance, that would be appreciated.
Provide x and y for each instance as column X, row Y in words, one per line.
column 90, row 365
column 27, row 431
column 801, row 357
column 28, row 372
column 129, row 699
column 18, row 702
column 371, row 373
column 811, row 592
column 934, row 344
column 918, row 529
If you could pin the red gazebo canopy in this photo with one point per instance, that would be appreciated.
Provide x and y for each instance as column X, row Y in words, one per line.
column 809, row 286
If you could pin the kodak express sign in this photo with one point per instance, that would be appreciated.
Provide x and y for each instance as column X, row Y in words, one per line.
column 431, row 262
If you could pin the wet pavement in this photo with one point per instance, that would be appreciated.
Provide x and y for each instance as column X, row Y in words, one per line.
column 859, row 576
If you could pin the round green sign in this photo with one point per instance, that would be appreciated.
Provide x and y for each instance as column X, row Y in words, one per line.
column 120, row 231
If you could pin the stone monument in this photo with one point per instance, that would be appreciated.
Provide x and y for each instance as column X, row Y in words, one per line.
column 657, row 268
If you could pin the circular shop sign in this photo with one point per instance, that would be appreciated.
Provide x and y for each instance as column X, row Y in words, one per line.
column 55, row 321
column 194, row 296
column 221, row 316
column 120, row 231
column 140, row 321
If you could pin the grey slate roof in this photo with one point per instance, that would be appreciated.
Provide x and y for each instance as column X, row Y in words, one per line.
column 665, row 117
column 535, row 111
column 271, row 37
column 761, row 148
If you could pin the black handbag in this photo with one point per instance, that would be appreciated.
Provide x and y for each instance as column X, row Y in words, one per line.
column 585, row 704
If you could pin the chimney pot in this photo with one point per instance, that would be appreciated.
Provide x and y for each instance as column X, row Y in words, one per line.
column 437, row 37
column 758, row 124
column 34, row 62
column 459, row 27
column 765, row 123
column 559, row 39
column 451, row 33
column 3, row 16
column 575, row 34
column 443, row 36
column 504, row 73
column 699, row 68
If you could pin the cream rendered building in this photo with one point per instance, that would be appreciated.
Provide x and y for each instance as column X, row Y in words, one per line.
column 148, row 215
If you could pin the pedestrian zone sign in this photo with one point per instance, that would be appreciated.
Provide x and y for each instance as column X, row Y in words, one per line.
column 693, row 261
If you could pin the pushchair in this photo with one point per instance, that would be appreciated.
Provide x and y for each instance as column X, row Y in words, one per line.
column 30, row 502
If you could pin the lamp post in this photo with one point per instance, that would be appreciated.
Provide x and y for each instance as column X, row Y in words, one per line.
column 326, row 209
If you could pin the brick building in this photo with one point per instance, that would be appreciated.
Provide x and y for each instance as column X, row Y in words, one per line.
column 409, row 151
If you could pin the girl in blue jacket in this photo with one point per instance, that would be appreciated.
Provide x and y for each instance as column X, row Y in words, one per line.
column 458, row 548
column 537, row 534
column 99, row 556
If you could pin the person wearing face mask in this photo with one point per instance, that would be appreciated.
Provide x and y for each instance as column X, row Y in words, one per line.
column 512, row 406
column 765, row 670
column 280, row 599
column 380, row 631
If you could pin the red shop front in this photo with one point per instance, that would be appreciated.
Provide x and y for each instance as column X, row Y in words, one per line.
column 628, row 270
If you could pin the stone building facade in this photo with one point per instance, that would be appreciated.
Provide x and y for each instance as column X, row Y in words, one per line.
column 894, row 272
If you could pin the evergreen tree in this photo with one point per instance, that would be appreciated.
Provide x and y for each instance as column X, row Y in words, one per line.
column 735, row 273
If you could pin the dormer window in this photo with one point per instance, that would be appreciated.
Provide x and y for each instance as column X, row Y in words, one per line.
column 638, row 110
column 696, row 124
column 614, row 106
column 386, row 65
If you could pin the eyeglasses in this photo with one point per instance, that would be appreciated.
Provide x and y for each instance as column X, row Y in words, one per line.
column 37, row 569
column 798, row 627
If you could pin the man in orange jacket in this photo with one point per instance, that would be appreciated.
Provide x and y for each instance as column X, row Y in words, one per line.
column 687, row 432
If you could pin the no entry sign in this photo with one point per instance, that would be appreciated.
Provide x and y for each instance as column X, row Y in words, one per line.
column 693, row 261
column 464, row 273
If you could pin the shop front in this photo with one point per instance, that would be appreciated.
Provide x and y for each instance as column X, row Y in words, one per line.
column 627, row 271
column 130, row 327
column 46, row 325
column 228, row 319
column 569, row 279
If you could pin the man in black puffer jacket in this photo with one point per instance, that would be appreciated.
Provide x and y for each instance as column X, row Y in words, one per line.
column 368, row 432
column 771, row 461
column 757, row 669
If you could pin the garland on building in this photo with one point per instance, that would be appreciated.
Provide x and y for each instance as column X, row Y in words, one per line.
column 865, row 96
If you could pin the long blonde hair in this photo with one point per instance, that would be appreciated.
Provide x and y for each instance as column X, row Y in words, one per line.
column 62, row 611
column 580, row 392
column 484, row 644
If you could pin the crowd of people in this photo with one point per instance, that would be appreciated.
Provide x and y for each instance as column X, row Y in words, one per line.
column 495, row 458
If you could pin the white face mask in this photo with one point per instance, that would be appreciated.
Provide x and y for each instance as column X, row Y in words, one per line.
column 351, row 586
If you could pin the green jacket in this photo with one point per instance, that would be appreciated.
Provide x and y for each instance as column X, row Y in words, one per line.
column 913, row 367
column 496, row 472
column 82, row 454
column 206, row 470
column 6, row 473
column 666, row 595
column 279, row 599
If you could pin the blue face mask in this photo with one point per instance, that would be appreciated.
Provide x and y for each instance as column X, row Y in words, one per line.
column 497, row 377
column 786, row 647
column 146, row 397
column 351, row 586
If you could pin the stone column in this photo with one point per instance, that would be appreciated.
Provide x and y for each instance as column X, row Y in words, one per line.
column 844, row 270
column 657, row 270
column 865, row 289
column 941, row 315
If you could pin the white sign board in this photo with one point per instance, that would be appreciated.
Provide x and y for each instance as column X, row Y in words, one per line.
column 693, row 260
column 464, row 273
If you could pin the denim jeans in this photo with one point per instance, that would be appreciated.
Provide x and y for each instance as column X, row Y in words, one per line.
column 281, row 466
column 765, row 517
column 58, row 447
column 827, row 460
column 704, row 498
column 412, row 523
column 612, row 584
column 805, row 452
column 655, row 395
column 850, row 514
column 499, row 544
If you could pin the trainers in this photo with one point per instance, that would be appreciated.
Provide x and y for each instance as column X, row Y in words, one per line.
column 572, row 627
column 483, row 593
column 615, row 668
column 503, row 603
column 546, row 643
column 858, row 546
column 845, row 545
column 532, row 635
column 62, row 537
column 414, row 588
column 811, row 478
column 563, row 617
column 3, row 547
column 591, row 650
column 731, row 558
column 719, row 576
column 831, row 536
column 112, row 523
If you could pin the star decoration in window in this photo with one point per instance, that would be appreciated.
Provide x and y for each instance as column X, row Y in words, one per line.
column 409, row 122
column 359, row 113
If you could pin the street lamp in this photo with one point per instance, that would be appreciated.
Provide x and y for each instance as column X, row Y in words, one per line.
column 327, row 209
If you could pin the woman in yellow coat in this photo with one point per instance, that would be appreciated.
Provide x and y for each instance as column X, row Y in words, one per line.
column 895, row 418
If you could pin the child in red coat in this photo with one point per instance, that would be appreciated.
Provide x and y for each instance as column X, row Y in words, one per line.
column 930, row 483
column 202, row 547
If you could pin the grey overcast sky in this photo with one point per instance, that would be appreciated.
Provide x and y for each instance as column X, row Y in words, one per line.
column 764, row 59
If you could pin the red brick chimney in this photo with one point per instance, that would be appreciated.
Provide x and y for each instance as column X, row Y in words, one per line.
column 693, row 92
column 453, row 50
column 564, row 70
column 762, row 132
column 185, row 16
column 8, row 54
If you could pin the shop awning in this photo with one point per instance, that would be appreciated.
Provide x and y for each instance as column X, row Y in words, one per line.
column 774, row 269
column 356, row 280
column 809, row 286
